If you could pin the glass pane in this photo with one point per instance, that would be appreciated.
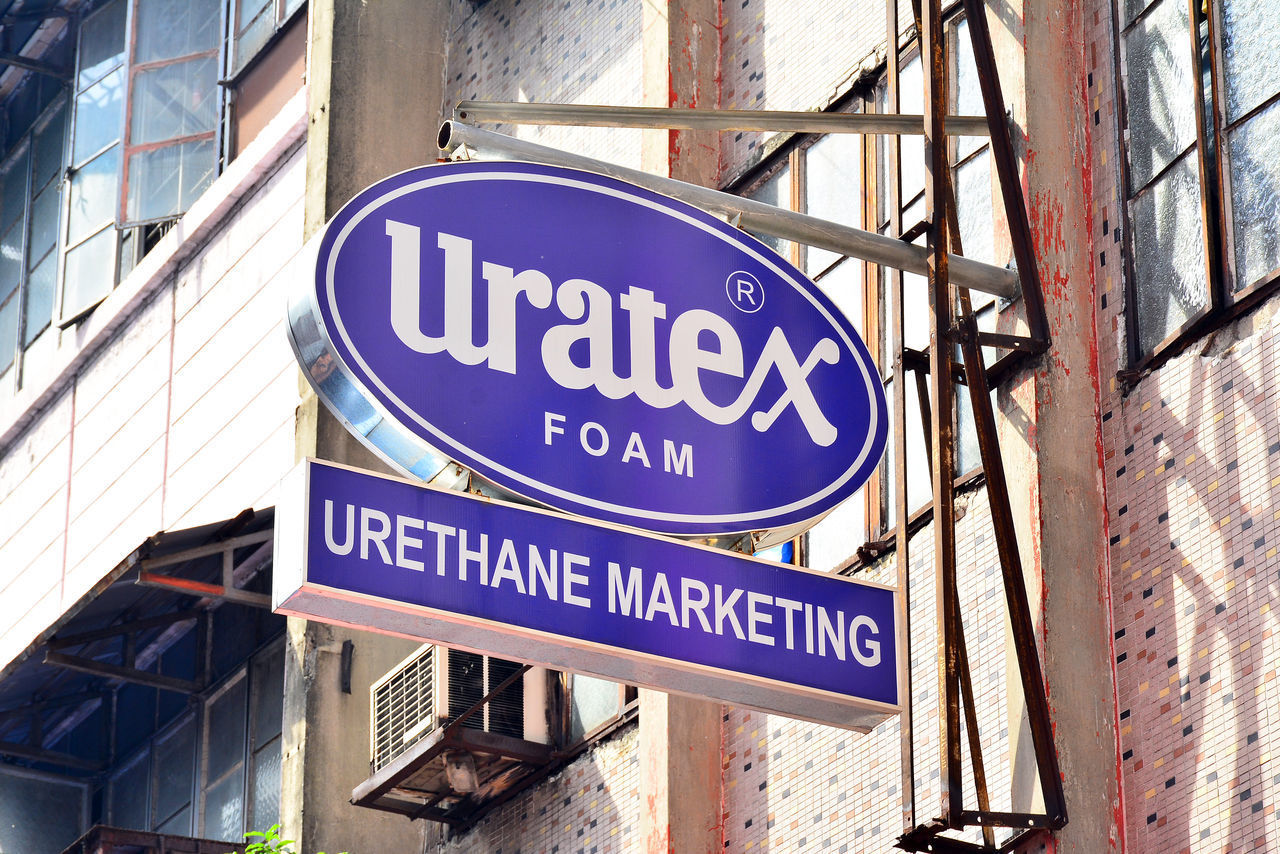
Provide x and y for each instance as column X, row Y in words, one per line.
column 175, row 772
column 99, row 117
column 1252, row 74
column 8, row 332
column 10, row 261
column 834, row 540
column 39, row 816
column 180, row 824
column 129, row 797
column 268, row 691
column 174, row 100
column 911, row 96
column 1168, row 253
column 48, row 149
column 224, row 810
column 968, row 90
column 777, row 192
column 171, row 28
column 44, row 223
column 594, row 701
column 165, row 181
column 41, row 287
column 974, row 208
column 226, row 738
column 265, row 786
column 1133, row 8
column 1161, row 90
column 256, row 21
column 13, row 194
column 90, row 273
column 833, row 189
column 101, row 43
column 94, row 191
column 1254, row 149
column 844, row 285
column 919, row 484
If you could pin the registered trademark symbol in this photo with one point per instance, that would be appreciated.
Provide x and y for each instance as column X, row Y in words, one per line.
column 744, row 291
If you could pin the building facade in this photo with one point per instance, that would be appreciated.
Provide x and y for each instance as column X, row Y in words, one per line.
column 165, row 168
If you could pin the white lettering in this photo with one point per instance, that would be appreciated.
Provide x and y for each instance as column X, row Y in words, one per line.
column 597, row 450
column 403, row 538
column 827, row 631
column 480, row 556
column 551, row 427
column 872, row 657
column 572, row 579
column 508, row 566
column 681, row 463
column 349, row 542
column 660, row 600
column 580, row 355
column 377, row 536
column 724, row 610
column 628, row 596
column 697, row 605
column 789, row 608
column 443, row 533
column 635, row 450
column 544, row 570
column 755, row 617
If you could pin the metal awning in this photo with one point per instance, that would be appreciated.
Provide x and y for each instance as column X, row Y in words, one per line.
column 121, row 628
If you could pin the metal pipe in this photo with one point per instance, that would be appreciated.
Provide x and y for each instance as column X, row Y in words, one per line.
column 748, row 214
column 667, row 118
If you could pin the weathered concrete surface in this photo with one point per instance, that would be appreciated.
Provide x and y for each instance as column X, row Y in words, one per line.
column 680, row 740
column 1051, row 434
column 375, row 83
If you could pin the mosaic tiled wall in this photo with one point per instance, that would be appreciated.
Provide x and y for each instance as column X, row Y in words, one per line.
column 793, row 55
column 793, row 786
column 551, row 52
column 1193, row 480
column 591, row 807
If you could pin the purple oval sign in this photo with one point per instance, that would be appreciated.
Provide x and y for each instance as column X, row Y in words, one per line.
column 591, row 345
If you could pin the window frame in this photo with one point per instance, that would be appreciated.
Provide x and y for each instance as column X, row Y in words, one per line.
column 1223, row 302
column 879, row 525
column 25, row 149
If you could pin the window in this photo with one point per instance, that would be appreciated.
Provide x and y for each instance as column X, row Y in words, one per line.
column 846, row 178
column 30, row 207
column 214, row 770
column 256, row 21
column 1202, row 105
column 143, row 134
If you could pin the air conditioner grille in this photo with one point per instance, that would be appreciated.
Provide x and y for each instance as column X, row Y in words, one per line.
column 471, row 677
column 402, row 708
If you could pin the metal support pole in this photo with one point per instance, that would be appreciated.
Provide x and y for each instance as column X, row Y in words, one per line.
column 746, row 213
column 941, row 422
column 678, row 118
column 902, row 542
column 1006, row 163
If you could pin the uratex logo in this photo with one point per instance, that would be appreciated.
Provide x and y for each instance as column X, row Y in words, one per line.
column 590, row 345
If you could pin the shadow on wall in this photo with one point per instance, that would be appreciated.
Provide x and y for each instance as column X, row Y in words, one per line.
column 593, row 804
column 1194, row 711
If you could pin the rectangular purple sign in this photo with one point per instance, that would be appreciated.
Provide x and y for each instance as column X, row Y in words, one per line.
column 395, row 556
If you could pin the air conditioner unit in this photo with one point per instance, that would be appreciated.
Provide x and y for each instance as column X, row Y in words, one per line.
column 436, row 685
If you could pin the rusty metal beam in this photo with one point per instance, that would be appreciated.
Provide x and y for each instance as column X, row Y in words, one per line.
column 942, row 427
column 1006, row 163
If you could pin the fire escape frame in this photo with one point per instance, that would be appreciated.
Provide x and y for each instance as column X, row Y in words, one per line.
column 952, row 324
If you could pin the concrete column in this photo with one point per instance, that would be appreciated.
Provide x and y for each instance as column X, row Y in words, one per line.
column 1051, row 434
column 375, row 76
column 680, row 737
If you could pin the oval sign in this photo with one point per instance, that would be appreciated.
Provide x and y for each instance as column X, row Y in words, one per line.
column 591, row 345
